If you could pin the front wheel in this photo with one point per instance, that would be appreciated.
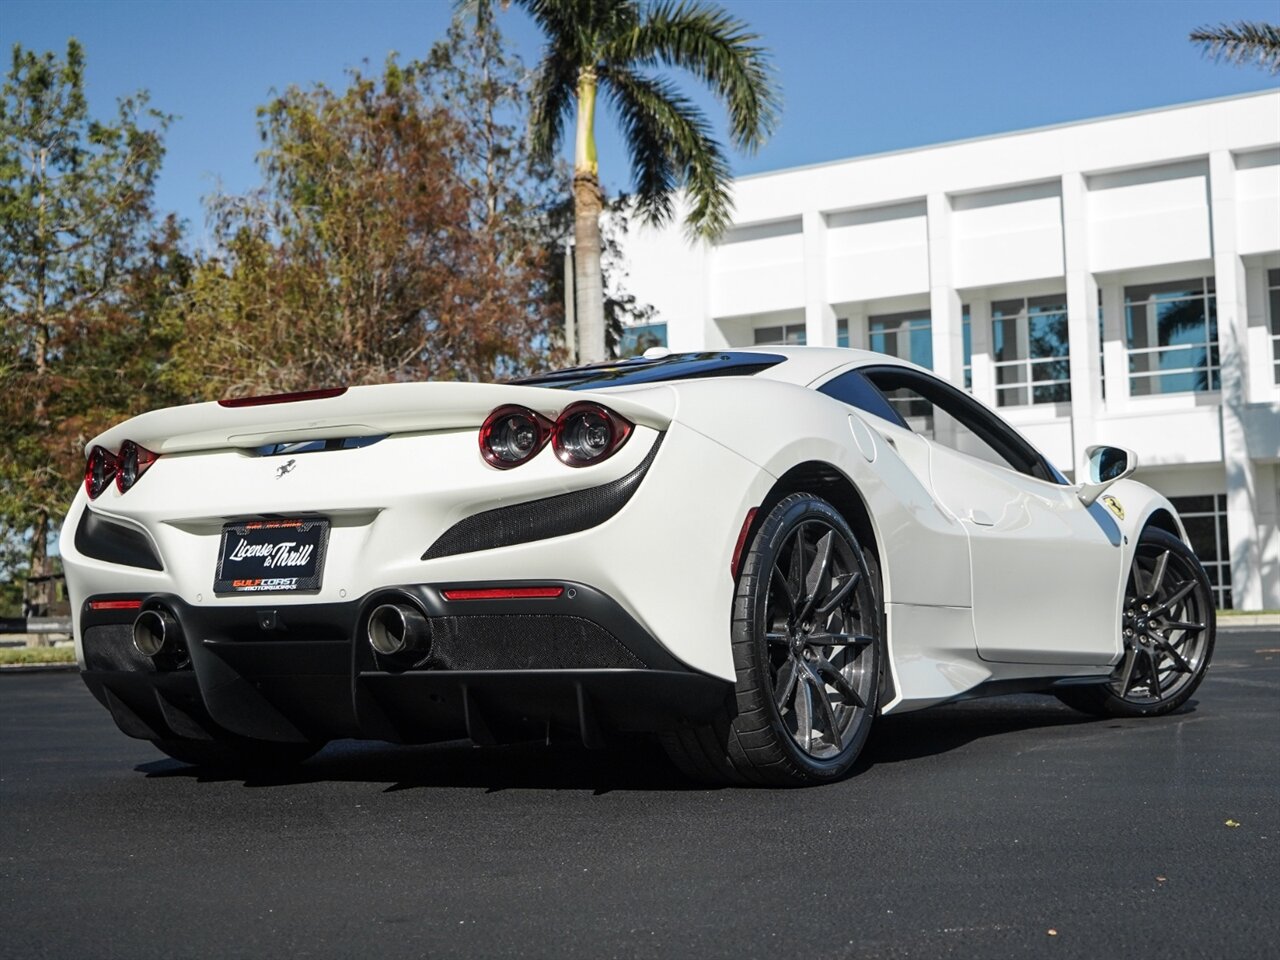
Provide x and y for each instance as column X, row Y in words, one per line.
column 806, row 635
column 1168, row 629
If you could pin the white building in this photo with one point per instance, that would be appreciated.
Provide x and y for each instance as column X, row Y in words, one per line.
column 1108, row 281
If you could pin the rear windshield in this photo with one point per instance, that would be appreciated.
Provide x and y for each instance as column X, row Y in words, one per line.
column 675, row 366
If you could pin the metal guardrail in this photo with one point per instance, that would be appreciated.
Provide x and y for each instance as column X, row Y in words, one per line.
column 35, row 625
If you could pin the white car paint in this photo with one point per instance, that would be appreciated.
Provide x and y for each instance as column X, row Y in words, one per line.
column 987, row 574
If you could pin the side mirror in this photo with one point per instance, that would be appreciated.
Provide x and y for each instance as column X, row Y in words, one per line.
column 1106, row 466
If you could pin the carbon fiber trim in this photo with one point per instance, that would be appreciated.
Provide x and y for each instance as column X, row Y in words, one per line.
column 541, row 519
column 526, row 642
column 110, row 647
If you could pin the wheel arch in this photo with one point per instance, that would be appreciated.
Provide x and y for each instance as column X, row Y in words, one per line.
column 1162, row 519
column 829, row 482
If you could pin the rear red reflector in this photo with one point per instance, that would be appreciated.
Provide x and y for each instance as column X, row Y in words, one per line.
column 505, row 593
column 283, row 397
column 115, row 604
column 736, row 563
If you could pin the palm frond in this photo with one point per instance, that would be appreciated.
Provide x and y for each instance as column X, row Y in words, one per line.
column 551, row 100
column 1241, row 43
column 671, row 145
column 717, row 48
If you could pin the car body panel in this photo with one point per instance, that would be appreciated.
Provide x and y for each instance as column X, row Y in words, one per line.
column 988, row 575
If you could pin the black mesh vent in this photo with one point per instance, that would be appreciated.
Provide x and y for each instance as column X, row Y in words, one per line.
column 540, row 519
column 526, row 642
column 110, row 647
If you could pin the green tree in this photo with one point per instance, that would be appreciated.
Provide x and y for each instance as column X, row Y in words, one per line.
column 1240, row 43
column 610, row 47
column 83, row 266
column 401, row 232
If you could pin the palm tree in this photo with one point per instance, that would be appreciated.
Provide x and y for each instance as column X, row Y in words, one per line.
column 1241, row 42
column 608, row 47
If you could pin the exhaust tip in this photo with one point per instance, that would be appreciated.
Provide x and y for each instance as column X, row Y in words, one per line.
column 398, row 628
column 154, row 632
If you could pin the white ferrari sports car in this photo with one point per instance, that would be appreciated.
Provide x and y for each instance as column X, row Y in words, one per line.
column 750, row 553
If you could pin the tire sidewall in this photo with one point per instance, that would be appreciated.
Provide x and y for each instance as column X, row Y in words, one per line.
column 751, row 647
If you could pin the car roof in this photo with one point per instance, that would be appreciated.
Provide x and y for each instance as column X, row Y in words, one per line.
column 798, row 365
column 806, row 365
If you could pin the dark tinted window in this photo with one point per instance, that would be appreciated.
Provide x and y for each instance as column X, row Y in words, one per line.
column 938, row 410
column 676, row 366
column 852, row 388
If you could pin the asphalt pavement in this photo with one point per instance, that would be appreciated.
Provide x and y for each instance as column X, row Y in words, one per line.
column 997, row 828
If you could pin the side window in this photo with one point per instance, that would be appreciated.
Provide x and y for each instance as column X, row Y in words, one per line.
column 852, row 388
column 945, row 415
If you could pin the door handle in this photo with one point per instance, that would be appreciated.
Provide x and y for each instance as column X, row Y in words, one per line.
column 981, row 518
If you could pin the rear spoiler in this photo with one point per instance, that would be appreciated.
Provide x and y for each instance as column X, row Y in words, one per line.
column 364, row 412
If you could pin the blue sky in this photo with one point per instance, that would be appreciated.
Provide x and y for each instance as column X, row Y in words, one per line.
column 857, row 77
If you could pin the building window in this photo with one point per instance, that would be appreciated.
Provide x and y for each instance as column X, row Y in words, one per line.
column 1172, row 331
column 1206, row 521
column 1030, row 351
column 641, row 337
column 1273, row 312
column 904, row 335
column 842, row 332
column 787, row 335
column 966, row 332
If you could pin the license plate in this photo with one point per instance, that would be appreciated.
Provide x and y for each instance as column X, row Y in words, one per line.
column 271, row 556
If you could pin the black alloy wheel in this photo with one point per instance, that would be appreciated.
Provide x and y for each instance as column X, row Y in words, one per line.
column 807, row 644
column 1167, row 624
column 820, row 681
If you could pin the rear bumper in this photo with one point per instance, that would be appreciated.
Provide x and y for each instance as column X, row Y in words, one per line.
column 496, row 670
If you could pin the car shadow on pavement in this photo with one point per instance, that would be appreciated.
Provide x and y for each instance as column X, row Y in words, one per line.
column 638, row 764
column 926, row 733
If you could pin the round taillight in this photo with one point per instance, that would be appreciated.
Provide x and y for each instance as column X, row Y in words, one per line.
column 513, row 435
column 134, row 460
column 588, row 433
column 99, row 471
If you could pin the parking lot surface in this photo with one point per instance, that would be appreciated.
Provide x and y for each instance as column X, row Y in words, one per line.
column 993, row 828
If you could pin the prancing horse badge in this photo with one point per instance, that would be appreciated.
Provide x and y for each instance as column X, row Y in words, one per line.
column 1115, row 507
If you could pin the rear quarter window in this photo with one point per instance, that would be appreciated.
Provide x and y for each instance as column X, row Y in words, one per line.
column 855, row 390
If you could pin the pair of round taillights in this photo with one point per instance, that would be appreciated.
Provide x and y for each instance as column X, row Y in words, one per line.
column 124, row 467
column 584, row 434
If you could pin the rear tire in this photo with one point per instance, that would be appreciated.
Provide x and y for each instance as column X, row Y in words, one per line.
column 807, row 637
column 239, row 754
column 1168, row 624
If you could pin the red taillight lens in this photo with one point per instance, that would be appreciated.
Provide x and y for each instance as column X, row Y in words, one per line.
column 513, row 435
column 133, row 462
column 99, row 471
column 588, row 433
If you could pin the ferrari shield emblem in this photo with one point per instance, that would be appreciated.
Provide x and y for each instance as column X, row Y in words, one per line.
column 1114, row 505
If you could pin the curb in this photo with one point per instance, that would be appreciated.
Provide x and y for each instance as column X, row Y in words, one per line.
column 1247, row 622
column 38, row 668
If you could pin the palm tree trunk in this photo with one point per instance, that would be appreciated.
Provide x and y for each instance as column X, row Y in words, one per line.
column 587, row 205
